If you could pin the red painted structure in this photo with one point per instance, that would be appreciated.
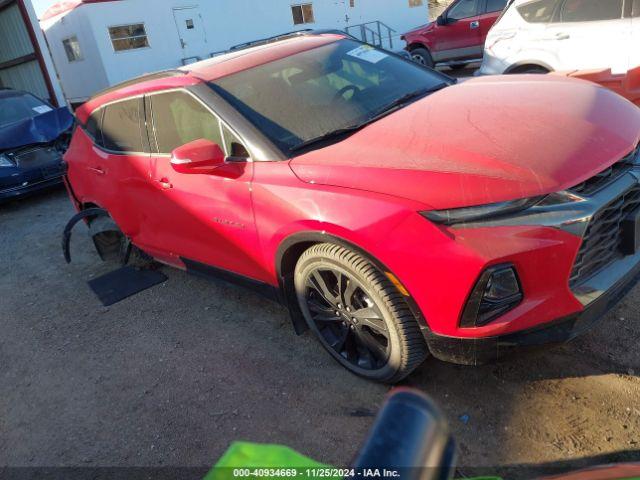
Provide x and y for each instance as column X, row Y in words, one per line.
column 627, row 85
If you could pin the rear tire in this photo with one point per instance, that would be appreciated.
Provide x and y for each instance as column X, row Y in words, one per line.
column 357, row 314
column 422, row 57
column 530, row 69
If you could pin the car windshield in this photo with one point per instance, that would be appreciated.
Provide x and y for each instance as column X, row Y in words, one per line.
column 21, row 106
column 328, row 89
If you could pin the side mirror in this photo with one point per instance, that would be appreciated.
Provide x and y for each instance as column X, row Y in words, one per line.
column 198, row 157
column 441, row 20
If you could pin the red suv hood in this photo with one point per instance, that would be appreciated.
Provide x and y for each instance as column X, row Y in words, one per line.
column 483, row 141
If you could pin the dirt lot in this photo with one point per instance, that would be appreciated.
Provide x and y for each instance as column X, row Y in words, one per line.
column 171, row 376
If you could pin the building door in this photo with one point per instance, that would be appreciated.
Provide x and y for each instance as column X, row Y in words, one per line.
column 192, row 34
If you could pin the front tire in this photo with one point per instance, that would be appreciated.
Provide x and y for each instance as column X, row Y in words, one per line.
column 422, row 57
column 357, row 314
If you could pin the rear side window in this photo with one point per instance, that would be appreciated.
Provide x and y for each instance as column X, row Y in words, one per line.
column 178, row 119
column 591, row 10
column 121, row 127
column 463, row 9
column 93, row 126
column 495, row 5
column 539, row 11
column 636, row 9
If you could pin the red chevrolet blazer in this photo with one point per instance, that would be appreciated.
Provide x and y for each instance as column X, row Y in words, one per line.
column 394, row 212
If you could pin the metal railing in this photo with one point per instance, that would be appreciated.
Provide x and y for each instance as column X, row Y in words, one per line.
column 376, row 33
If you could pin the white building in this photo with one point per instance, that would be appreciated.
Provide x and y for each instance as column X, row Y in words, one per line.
column 98, row 43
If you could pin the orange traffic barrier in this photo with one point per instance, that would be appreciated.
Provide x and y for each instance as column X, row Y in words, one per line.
column 627, row 85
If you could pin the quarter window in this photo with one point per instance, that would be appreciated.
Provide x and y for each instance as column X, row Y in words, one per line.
column 302, row 13
column 232, row 145
column 463, row 9
column 496, row 5
column 72, row 49
column 540, row 11
column 93, row 126
column 179, row 119
column 591, row 10
column 128, row 37
column 121, row 127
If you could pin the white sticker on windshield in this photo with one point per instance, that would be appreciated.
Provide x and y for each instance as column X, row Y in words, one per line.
column 368, row 54
column 42, row 109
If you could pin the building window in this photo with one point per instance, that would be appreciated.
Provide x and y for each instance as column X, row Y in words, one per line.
column 302, row 14
column 72, row 49
column 416, row 3
column 128, row 37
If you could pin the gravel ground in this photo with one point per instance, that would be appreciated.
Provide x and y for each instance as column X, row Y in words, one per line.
column 172, row 375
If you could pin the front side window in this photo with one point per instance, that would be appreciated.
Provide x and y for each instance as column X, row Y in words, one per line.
column 19, row 107
column 496, row 5
column 591, row 10
column 302, row 14
column 415, row 3
column 463, row 9
column 636, row 8
column 128, row 37
column 72, row 49
column 179, row 119
column 539, row 11
column 121, row 130
column 309, row 94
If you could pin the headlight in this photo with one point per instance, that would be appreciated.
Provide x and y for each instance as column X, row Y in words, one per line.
column 481, row 212
column 5, row 162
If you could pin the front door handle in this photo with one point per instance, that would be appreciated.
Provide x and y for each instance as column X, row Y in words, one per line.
column 165, row 183
column 563, row 36
column 97, row 170
column 474, row 25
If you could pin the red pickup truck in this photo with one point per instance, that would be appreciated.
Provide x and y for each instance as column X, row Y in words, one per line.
column 457, row 37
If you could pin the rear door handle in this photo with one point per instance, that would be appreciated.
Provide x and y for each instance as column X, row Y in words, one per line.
column 474, row 25
column 97, row 170
column 562, row 36
column 165, row 183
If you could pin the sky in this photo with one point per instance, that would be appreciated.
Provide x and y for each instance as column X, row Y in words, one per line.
column 42, row 5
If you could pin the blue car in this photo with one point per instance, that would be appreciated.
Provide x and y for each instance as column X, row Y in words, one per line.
column 33, row 137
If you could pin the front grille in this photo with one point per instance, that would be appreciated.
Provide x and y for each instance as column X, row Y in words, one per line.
column 602, row 240
column 603, row 179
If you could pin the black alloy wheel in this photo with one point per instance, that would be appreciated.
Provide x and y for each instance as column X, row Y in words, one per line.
column 357, row 314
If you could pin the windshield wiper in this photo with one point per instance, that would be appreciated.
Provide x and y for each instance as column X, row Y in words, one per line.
column 405, row 99
column 386, row 110
column 328, row 136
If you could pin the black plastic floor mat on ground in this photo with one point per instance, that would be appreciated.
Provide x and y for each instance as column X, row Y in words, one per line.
column 123, row 283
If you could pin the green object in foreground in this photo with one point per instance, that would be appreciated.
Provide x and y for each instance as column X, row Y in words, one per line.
column 245, row 460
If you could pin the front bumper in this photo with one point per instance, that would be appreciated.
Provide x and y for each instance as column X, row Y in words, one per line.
column 478, row 351
column 594, row 293
column 26, row 188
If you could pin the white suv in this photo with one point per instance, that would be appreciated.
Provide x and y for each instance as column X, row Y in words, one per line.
column 550, row 35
